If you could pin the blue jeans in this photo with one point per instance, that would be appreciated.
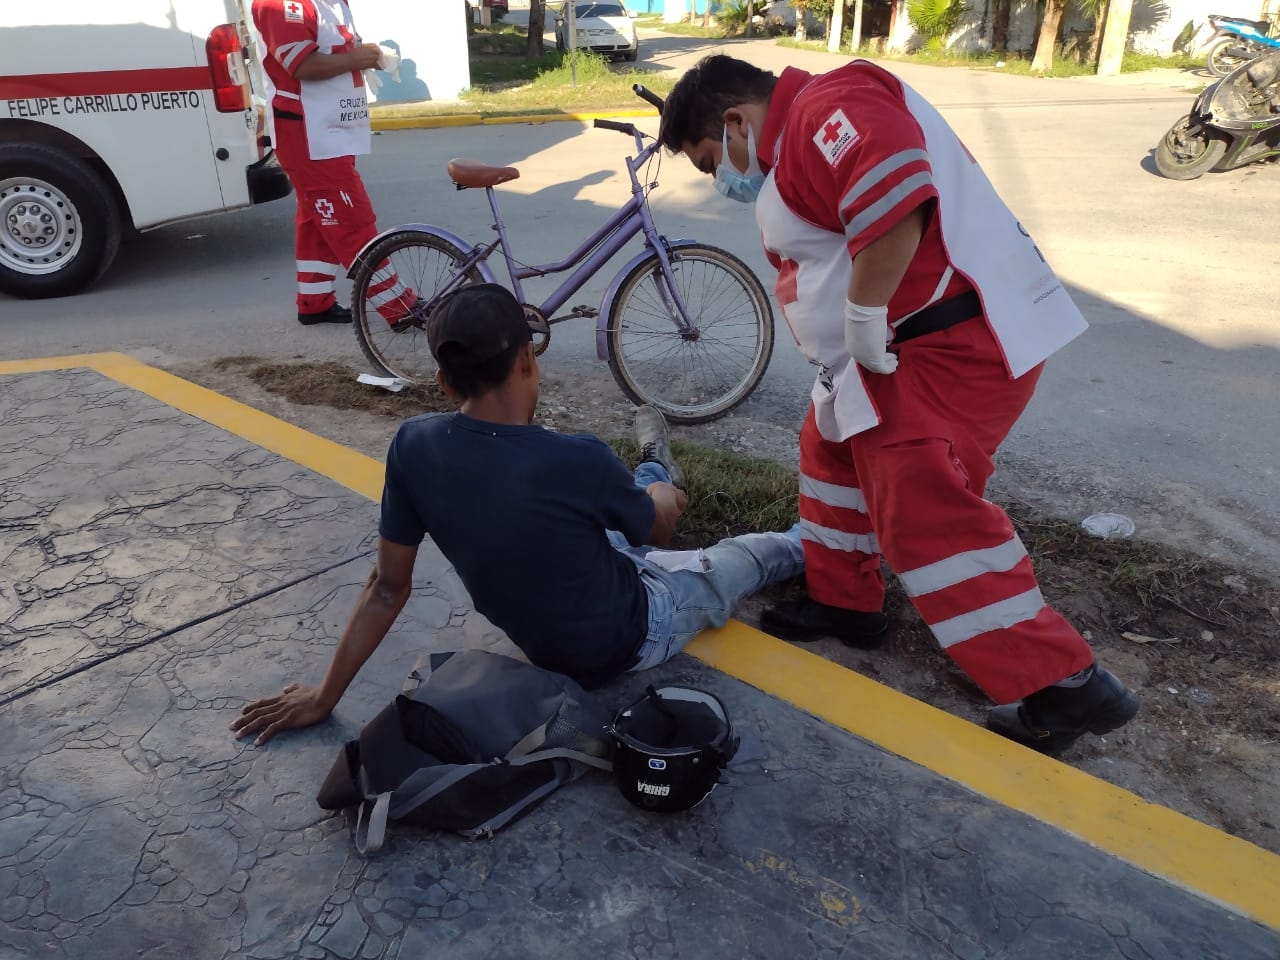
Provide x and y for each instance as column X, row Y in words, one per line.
column 683, row 603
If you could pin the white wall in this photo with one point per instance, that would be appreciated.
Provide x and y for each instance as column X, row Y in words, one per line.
column 430, row 34
column 1154, row 26
column 1157, row 23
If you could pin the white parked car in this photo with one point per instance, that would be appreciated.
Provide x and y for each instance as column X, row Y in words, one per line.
column 601, row 28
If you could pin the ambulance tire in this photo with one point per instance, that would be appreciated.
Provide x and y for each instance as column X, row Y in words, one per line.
column 75, row 200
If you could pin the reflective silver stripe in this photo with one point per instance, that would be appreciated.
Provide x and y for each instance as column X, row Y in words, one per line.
column 386, row 296
column 879, row 172
column 832, row 494
column 323, row 286
column 963, row 566
column 997, row 616
column 947, row 274
column 869, row 216
column 320, row 267
column 289, row 96
column 839, row 539
column 289, row 52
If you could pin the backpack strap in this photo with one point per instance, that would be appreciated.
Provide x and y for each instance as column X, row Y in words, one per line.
column 562, row 752
column 372, row 833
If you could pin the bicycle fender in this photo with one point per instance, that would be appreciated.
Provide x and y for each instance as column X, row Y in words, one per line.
column 448, row 236
column 606, row 304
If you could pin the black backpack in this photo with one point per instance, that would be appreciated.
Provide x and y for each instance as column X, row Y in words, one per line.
column 475, row 740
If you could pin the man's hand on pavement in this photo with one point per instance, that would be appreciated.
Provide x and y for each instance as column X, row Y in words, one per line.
column 297, row 706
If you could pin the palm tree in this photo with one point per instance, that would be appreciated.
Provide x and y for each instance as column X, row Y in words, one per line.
column 801, row 8
column 537, row 24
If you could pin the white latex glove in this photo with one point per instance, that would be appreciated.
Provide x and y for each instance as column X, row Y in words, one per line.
column 866, row 335
column 389, row 62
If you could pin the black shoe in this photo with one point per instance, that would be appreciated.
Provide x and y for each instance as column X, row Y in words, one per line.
column 803, row 621
column 415, row 319
column 651, row 434
column 1052, row 719
column 335, row 314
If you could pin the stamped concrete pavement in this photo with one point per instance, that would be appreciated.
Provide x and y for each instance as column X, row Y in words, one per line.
column 168, row 554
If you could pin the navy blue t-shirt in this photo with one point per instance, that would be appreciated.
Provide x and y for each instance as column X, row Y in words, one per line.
column 521, row 513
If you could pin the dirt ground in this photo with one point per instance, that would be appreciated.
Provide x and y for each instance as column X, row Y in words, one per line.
column 1198, row 641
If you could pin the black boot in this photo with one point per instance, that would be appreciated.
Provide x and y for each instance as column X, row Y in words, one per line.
column 335, row 314
column 803, row 621
column 1052, row 719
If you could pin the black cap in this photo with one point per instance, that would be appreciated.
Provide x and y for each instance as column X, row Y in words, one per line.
column 476, row 324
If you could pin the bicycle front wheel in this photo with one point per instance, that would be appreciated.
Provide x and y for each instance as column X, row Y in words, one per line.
column 700, row 375
column 399, row 268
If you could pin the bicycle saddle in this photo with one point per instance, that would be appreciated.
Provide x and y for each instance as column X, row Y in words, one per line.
column 473, row 173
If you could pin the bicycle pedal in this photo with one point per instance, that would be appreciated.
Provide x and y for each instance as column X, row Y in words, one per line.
column 582, row 310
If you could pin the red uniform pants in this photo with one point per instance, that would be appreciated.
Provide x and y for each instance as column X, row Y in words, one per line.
column 334, row 222
column 912, row 489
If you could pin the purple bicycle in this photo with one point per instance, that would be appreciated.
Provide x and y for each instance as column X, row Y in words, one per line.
column 685, row 326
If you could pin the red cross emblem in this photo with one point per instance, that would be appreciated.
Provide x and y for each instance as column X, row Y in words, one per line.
column 836, row 137
column 293, row 11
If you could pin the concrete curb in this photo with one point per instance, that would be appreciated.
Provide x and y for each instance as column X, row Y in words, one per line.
column 429, row 122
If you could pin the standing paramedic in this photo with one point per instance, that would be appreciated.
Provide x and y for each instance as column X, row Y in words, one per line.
column 314, row 61
column 928, row 312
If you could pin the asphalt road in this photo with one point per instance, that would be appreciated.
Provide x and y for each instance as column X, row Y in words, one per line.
column 1166, row 410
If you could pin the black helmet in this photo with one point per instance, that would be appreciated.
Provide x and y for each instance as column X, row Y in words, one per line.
column 669, row 748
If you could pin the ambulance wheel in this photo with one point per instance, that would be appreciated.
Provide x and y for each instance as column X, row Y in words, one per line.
column 59, row 222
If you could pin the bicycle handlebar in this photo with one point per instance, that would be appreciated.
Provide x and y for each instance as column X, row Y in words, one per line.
column 628, row 128
column 648, row 96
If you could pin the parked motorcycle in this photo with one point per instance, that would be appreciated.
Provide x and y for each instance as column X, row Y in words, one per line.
column 1236, row 41
column 1234, row 122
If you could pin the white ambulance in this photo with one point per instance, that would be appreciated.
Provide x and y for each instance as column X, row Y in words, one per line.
column 119, row 115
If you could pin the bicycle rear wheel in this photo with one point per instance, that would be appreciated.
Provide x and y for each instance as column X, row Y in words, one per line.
column 699, row 376
column 421, row 264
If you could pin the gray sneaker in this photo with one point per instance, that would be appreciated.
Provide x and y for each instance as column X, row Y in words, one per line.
column 651, row 434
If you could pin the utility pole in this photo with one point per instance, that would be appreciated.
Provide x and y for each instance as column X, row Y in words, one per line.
column 1115, row 37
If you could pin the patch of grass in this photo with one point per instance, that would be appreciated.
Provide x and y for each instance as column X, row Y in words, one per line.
column 718, row 32
column 328, row 383
column 1011, row 62
column 555, row 83
column 490, row 73
column 1134, row 62
column 498, row 39
column 729, row 494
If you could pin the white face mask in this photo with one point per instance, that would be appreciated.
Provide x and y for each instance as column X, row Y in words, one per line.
column 731, row 182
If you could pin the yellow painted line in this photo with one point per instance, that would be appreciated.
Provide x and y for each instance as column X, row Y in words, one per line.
column 348, row 467
column 1190, row 854
column 476, row 119
column 1222, row 868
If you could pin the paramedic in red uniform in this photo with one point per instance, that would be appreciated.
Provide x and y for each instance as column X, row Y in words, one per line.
column 314, row 62
column 884, row 230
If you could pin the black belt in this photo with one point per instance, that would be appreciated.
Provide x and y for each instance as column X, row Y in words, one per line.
column 939, row 316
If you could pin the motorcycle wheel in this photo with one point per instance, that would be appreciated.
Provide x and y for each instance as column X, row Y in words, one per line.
column 1218, row 58
column 1187, row 151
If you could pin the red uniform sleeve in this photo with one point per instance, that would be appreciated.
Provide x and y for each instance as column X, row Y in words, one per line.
column 866, row 154
column 288, row 28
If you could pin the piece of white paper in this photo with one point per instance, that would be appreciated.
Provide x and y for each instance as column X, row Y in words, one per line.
column 394, row 384
column 673, row 560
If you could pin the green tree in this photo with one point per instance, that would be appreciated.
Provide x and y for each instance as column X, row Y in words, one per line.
column 936, row 20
